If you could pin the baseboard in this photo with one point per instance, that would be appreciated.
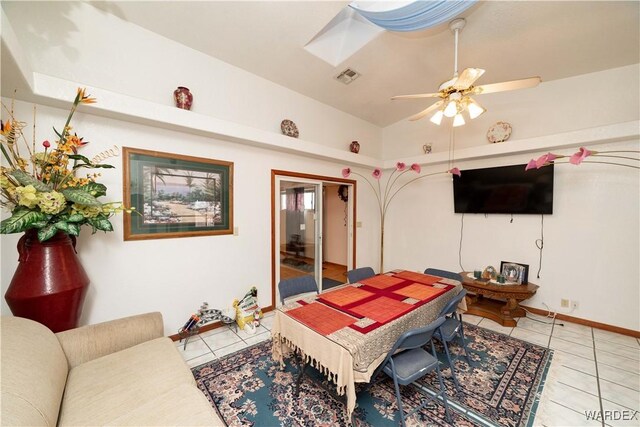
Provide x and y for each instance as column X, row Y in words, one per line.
column 586, row 322
column 214, row 325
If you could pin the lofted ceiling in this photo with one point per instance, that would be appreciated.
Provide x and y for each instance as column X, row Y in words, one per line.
column 509, row 39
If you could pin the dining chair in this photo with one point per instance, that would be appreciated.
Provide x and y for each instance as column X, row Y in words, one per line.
column 408, row 361
column 296, row 286
column 443, row 273
column 451, row 328
column 358, row 274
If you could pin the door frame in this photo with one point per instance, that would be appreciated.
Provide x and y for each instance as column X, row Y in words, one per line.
column 274, row 193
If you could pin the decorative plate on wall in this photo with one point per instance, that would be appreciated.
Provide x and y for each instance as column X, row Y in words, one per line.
column 289, row 128
column 499, row 132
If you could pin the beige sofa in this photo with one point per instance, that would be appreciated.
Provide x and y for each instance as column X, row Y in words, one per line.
column 122, row 372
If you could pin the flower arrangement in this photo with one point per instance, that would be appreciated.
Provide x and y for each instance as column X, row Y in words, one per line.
column 42, row 189
column 391, row 189
column 583, row 153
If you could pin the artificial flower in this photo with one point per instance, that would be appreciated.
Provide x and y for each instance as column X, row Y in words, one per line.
column 531, row 165
column 346, row 172
column 46, row 144
column 416, row 167
column 400, row 166
column 454, row 171
column 578, row 157
column 545, row 159
column 377, row 173
column 52, row 202
column 27, row 196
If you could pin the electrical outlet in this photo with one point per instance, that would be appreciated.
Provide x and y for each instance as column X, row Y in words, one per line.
column 564, row 303
column 575, row 305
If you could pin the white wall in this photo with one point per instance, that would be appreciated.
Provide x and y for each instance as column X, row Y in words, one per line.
column 77, row 42
column 558, row 106
column 335, row 229
column 174, row 276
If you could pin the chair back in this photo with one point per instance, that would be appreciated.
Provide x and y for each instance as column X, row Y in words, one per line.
column 443, row 273
column 361, row 273
column 296, row 286
column 452, row 305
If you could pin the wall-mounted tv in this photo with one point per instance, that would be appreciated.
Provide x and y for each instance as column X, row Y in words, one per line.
column 504, row 190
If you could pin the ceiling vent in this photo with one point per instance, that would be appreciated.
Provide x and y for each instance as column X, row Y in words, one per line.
column 347, row 76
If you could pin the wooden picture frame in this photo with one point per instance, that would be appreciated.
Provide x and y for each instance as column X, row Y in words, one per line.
column 176, row 195
column 515, row 272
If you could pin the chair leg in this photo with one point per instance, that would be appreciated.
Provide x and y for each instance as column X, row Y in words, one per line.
column 464, row 343
column 443, row 392
column 453, row 371
column 399, row 399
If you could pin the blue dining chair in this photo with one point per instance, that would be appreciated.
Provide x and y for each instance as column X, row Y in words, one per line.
column 451, row 328
column 408, row 361
column 443, row 273
column 358, row 274
column 296, row 286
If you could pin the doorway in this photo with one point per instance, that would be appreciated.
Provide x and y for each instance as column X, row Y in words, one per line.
column 312, row 228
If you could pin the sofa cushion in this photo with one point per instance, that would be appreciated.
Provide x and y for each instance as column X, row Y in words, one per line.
column 34, row 371
column 106, row 388
column 182, row 406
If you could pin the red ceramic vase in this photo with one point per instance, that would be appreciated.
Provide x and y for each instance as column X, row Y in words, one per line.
column 49, row 284
column 183, row 98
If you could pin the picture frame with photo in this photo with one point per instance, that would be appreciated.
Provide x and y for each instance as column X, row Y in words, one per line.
column 515, row 272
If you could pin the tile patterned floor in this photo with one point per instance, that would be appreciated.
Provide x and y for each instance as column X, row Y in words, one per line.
column 594, row 371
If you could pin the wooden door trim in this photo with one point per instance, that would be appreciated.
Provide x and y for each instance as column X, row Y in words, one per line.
column 289, row 174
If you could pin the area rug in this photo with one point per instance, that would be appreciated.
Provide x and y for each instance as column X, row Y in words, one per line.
column 298, row 264
column 248, row 388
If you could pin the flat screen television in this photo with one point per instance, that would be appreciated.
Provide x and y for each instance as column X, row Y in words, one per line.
column 504, row 190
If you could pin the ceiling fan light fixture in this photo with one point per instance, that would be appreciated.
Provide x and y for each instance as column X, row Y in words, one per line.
column 475, row 109
column 458, row 120
column 437, row 118
column 451, row 108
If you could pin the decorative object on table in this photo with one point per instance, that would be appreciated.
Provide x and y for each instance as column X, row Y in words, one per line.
column 50, row 203
column 490, row 273
column 354, row 147
column 427, row 148
column 455, row 94
column 515, row 272
column 248, row 312
column 183, row 98
column 499, row 132
column 391, row 189
column 289, row 128
column 579, row 157
column 252, row 375
column 477, row 274
column 176, row 195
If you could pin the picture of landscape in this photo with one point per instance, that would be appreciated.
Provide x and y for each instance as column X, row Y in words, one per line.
column 181, row 196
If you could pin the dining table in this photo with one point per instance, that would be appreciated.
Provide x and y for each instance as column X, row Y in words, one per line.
column 347, row 331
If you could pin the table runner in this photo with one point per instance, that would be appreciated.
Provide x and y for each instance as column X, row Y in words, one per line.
column 320, row 318
column 352, row 353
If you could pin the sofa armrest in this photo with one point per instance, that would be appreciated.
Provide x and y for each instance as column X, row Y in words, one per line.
column 86, row 343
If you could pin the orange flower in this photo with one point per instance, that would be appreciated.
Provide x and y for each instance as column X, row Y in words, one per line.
column 85, row 99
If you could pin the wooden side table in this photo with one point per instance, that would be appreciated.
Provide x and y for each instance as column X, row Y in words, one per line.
column 496, row 302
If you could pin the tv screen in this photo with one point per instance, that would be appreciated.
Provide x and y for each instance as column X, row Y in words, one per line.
column 505, row 190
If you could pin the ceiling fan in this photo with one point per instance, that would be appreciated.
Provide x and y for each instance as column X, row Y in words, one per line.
column 455, row 94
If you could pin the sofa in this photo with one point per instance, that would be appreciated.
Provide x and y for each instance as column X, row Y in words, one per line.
column 121, row 373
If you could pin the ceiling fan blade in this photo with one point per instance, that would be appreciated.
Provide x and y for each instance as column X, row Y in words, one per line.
column 504, row 86
column 427, row 110
column 417, row 96
column 467, row 78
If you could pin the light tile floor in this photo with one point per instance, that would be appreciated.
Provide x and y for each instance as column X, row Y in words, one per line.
column 594, row 371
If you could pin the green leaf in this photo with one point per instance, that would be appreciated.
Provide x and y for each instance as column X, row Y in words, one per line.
column 61, row 225
column 74, row 229
column 21, row 220
column 39, row 224
column 25, row 179
column 79, row 157
column 47, row 232
column 80, row 196
column 101, row 224
column 96, row 166
column 75, row 218
column 95, row 189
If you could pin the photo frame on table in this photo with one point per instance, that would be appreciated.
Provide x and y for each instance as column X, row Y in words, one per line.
column 515, row 272
column 176, row 195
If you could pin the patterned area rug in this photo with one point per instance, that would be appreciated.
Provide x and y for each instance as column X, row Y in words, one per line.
column 501, row 388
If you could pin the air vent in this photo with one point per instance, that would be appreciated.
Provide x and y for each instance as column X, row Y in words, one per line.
column 347, row 76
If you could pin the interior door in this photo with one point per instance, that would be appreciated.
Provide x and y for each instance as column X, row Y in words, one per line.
column 299, row 229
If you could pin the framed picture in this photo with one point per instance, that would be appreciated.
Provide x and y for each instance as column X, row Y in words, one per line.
column 176, row 195
column 515, row 272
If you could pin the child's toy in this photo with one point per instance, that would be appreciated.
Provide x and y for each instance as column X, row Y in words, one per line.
column 247, row 310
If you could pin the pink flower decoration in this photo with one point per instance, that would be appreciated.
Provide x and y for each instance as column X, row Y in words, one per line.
column 377, row 173
column 416, row 167
column 400, row 166
column 346, row 172
column 545, row 159
column 578, row 157
column 531, row 165
column 46, row 144
column 454, row 171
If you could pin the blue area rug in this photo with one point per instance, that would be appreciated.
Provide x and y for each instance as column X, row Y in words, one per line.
column 501, row 388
